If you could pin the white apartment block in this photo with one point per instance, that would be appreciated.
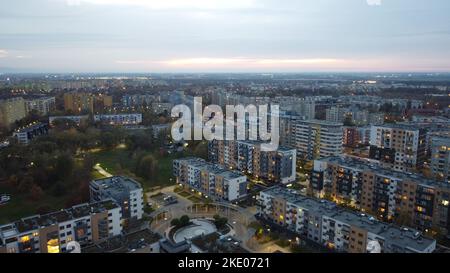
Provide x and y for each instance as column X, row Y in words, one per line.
column 317, row 138
column 119, row 119
column 125, row 191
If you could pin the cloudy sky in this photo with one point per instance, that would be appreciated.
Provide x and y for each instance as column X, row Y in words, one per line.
column 224, row 35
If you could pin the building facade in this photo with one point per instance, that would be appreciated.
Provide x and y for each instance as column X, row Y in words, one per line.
column 119, row 119
column 125, row 191
column 11, row 110
column 41, row 105
column 247, row 156
column 210, row 179
column 50, row 233
column 440, row 156
column 400, row 147
column 338, row 229
column 25, row 135
column 389, row 195
column 317, row 138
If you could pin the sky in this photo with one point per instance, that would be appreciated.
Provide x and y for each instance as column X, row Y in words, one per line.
column 70, row 36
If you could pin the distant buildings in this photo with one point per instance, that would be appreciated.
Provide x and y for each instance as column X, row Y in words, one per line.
column 78, row 102
column 162, row 107
column 342, row 230
column 400, row 147
column 28, row 133
column 440, row 156
column 76, row 119
column 159, row 129
column 119, row 119
column 210, row 179
column 42, row 105
column 336, row 114
column 124, row 191
column 11, row 110
column 246, row 156
column 389, row 195
column 318, row 138
column 50, row 233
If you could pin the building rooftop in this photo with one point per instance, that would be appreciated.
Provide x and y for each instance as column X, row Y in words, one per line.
column 116, row 185
column 30, row 127
column 369, row 165
column 211, row 168
column 35, row 222
column 401, row 237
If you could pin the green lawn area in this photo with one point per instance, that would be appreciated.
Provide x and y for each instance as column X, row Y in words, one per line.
column 21, row 206
column 119, row 161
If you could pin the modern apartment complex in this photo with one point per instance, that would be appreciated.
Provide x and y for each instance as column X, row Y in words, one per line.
column 11, row 110
column 317, row 138
column 342, row 230
column 389, row 195
column 210, row 179
column 119, row 119
column 50, row 233
column 26, row 134
column 440, row 156
column 247, row 156
column 400, row 147
column 123, row 190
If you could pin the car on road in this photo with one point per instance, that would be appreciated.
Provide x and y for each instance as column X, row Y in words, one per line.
column 4, row 198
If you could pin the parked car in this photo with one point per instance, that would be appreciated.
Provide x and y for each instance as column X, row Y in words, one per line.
column 4, row 199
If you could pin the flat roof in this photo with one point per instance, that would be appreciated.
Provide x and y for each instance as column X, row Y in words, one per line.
column 116, row 185
column 369, row 165
column 35, row 222
column 402, row 237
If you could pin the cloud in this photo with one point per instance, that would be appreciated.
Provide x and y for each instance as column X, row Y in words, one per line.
column 373, row 2
column 3, row 53
column 172, row 4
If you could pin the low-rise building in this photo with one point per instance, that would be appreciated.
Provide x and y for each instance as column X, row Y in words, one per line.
column 119, row 119
column 78, row 120
column 28, row 133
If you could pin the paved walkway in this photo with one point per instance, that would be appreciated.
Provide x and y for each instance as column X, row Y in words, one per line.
column 102, row 171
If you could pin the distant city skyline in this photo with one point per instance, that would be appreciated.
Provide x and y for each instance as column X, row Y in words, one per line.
column 136, row 36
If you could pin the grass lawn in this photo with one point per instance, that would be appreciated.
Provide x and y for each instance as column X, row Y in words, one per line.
column 120, row 162
column 21, row 206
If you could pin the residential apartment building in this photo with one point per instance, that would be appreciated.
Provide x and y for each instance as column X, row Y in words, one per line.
column 318, row 138
column 400, row 147
column 25, row 135
column 119, row 119
column 50, row 233
column 342, row 230
column 78, row 102
column 11, row 110
column 210, row 179
column 440, row 156
column 125, row 191
column 336, row 114
column 389, row 195
column 78, row 120
column 41, row 105
column 247, row 156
